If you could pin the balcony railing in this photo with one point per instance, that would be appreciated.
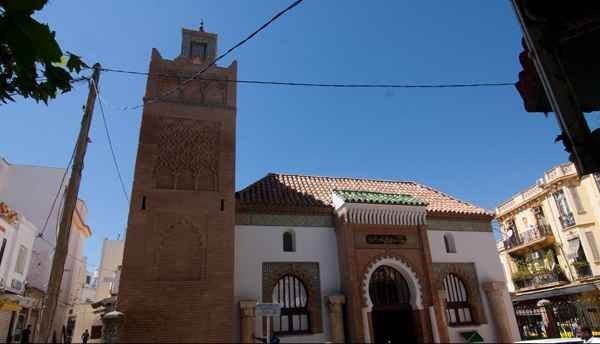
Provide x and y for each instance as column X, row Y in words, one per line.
column 567, row 220
column 538, row 279
column 525, row 237
column 583, row 270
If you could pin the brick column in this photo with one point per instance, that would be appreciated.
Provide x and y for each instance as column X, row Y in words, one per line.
column 336, row 317
column 440, row 313
column 247, row 323
column 495, row 292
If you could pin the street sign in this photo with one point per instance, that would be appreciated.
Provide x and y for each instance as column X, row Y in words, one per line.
column 268, row 309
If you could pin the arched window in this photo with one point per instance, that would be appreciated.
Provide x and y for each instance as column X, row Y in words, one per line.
column 388, row 288
column 291, row 294
column 458, row 310
column 449, row 243
column 288, row 242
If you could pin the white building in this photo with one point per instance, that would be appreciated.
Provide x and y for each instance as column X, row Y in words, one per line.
column 16, row 243
column 88, row 293
column 314, row 243
column 86, row 315
column 111, row 259
column 37, row 192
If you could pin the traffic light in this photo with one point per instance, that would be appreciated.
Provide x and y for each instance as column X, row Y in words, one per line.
column 529, row 85
column 561, row 70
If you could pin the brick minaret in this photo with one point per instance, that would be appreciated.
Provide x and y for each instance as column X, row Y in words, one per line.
column 177, row 279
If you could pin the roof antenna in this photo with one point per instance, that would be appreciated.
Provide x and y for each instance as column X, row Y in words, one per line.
column 202, row 25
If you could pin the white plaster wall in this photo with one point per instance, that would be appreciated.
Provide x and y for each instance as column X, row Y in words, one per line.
column 257, row 244
column 478, row 248
column 30, row 190
column 85, row 318
column 19, row 233
column 112, row 257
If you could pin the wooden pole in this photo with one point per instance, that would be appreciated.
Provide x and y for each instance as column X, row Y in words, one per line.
column 62, row 242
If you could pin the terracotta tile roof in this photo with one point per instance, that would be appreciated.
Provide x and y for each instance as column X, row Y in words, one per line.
column 289, row 191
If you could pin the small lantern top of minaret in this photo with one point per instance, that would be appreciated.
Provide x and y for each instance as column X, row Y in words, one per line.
column 197, row 45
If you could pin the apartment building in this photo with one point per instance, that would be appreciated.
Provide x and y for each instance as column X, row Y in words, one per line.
column 550, row 246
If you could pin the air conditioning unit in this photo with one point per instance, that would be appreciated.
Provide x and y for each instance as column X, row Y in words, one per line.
column 16, row 284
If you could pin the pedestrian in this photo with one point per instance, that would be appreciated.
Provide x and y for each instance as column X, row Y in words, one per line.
column 25, row 334
column 574, row 328
column 586, row 335
column 85, row 336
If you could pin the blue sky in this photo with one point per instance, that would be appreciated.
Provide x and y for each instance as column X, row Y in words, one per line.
column 476, row 144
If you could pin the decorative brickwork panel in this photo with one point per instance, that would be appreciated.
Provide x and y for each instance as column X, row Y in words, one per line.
column 308, row 273
column 188, row 154
column 468, row 275
column 180, row 253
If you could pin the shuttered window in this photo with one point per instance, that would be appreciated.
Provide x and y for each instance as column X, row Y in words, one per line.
column 592, row 242
column 291, row 294
column 458, row 310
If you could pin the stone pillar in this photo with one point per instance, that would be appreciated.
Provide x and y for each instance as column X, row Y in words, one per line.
column 495, row 292
column 247, row 322
column 336, row 317
column 112, row 325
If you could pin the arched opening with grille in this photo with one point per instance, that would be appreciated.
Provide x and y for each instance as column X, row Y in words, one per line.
column 458, row 310
column 293, row 297
column 388, row 288
column 391, row 316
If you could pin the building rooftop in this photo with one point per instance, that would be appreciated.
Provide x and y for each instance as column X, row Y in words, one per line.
column 290, row 191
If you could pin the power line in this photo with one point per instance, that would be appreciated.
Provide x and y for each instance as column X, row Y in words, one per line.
column 58, row 192
column 110, row 145
column 249, row 37
column 330, row 85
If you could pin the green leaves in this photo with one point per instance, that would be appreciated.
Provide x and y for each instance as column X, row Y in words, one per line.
column 30, row 56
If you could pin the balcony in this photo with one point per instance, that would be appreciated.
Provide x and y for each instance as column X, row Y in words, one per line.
column 567, row 220
column 540, row 235
column 525, row 280
column 582, row 268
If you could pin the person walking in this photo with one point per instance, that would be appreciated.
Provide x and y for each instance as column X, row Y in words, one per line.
column 85, row 336
column 25, row 334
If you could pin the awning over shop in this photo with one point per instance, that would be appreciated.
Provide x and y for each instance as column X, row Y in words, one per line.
column 13, row 302
column 555, row 292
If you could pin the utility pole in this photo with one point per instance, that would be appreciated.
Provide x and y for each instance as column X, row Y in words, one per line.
column 62, row 242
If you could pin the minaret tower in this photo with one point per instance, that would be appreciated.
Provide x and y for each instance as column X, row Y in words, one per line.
column 177, row 278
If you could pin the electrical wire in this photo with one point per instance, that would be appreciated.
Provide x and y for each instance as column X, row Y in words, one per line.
column 240, row 43
column 331, row 85
column 58, row 192
column 110, row 144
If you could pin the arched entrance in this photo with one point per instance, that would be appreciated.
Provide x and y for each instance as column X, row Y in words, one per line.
column 391, row 315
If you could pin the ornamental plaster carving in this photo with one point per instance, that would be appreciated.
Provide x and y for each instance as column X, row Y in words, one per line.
column 188, row 154
column 416, row 294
